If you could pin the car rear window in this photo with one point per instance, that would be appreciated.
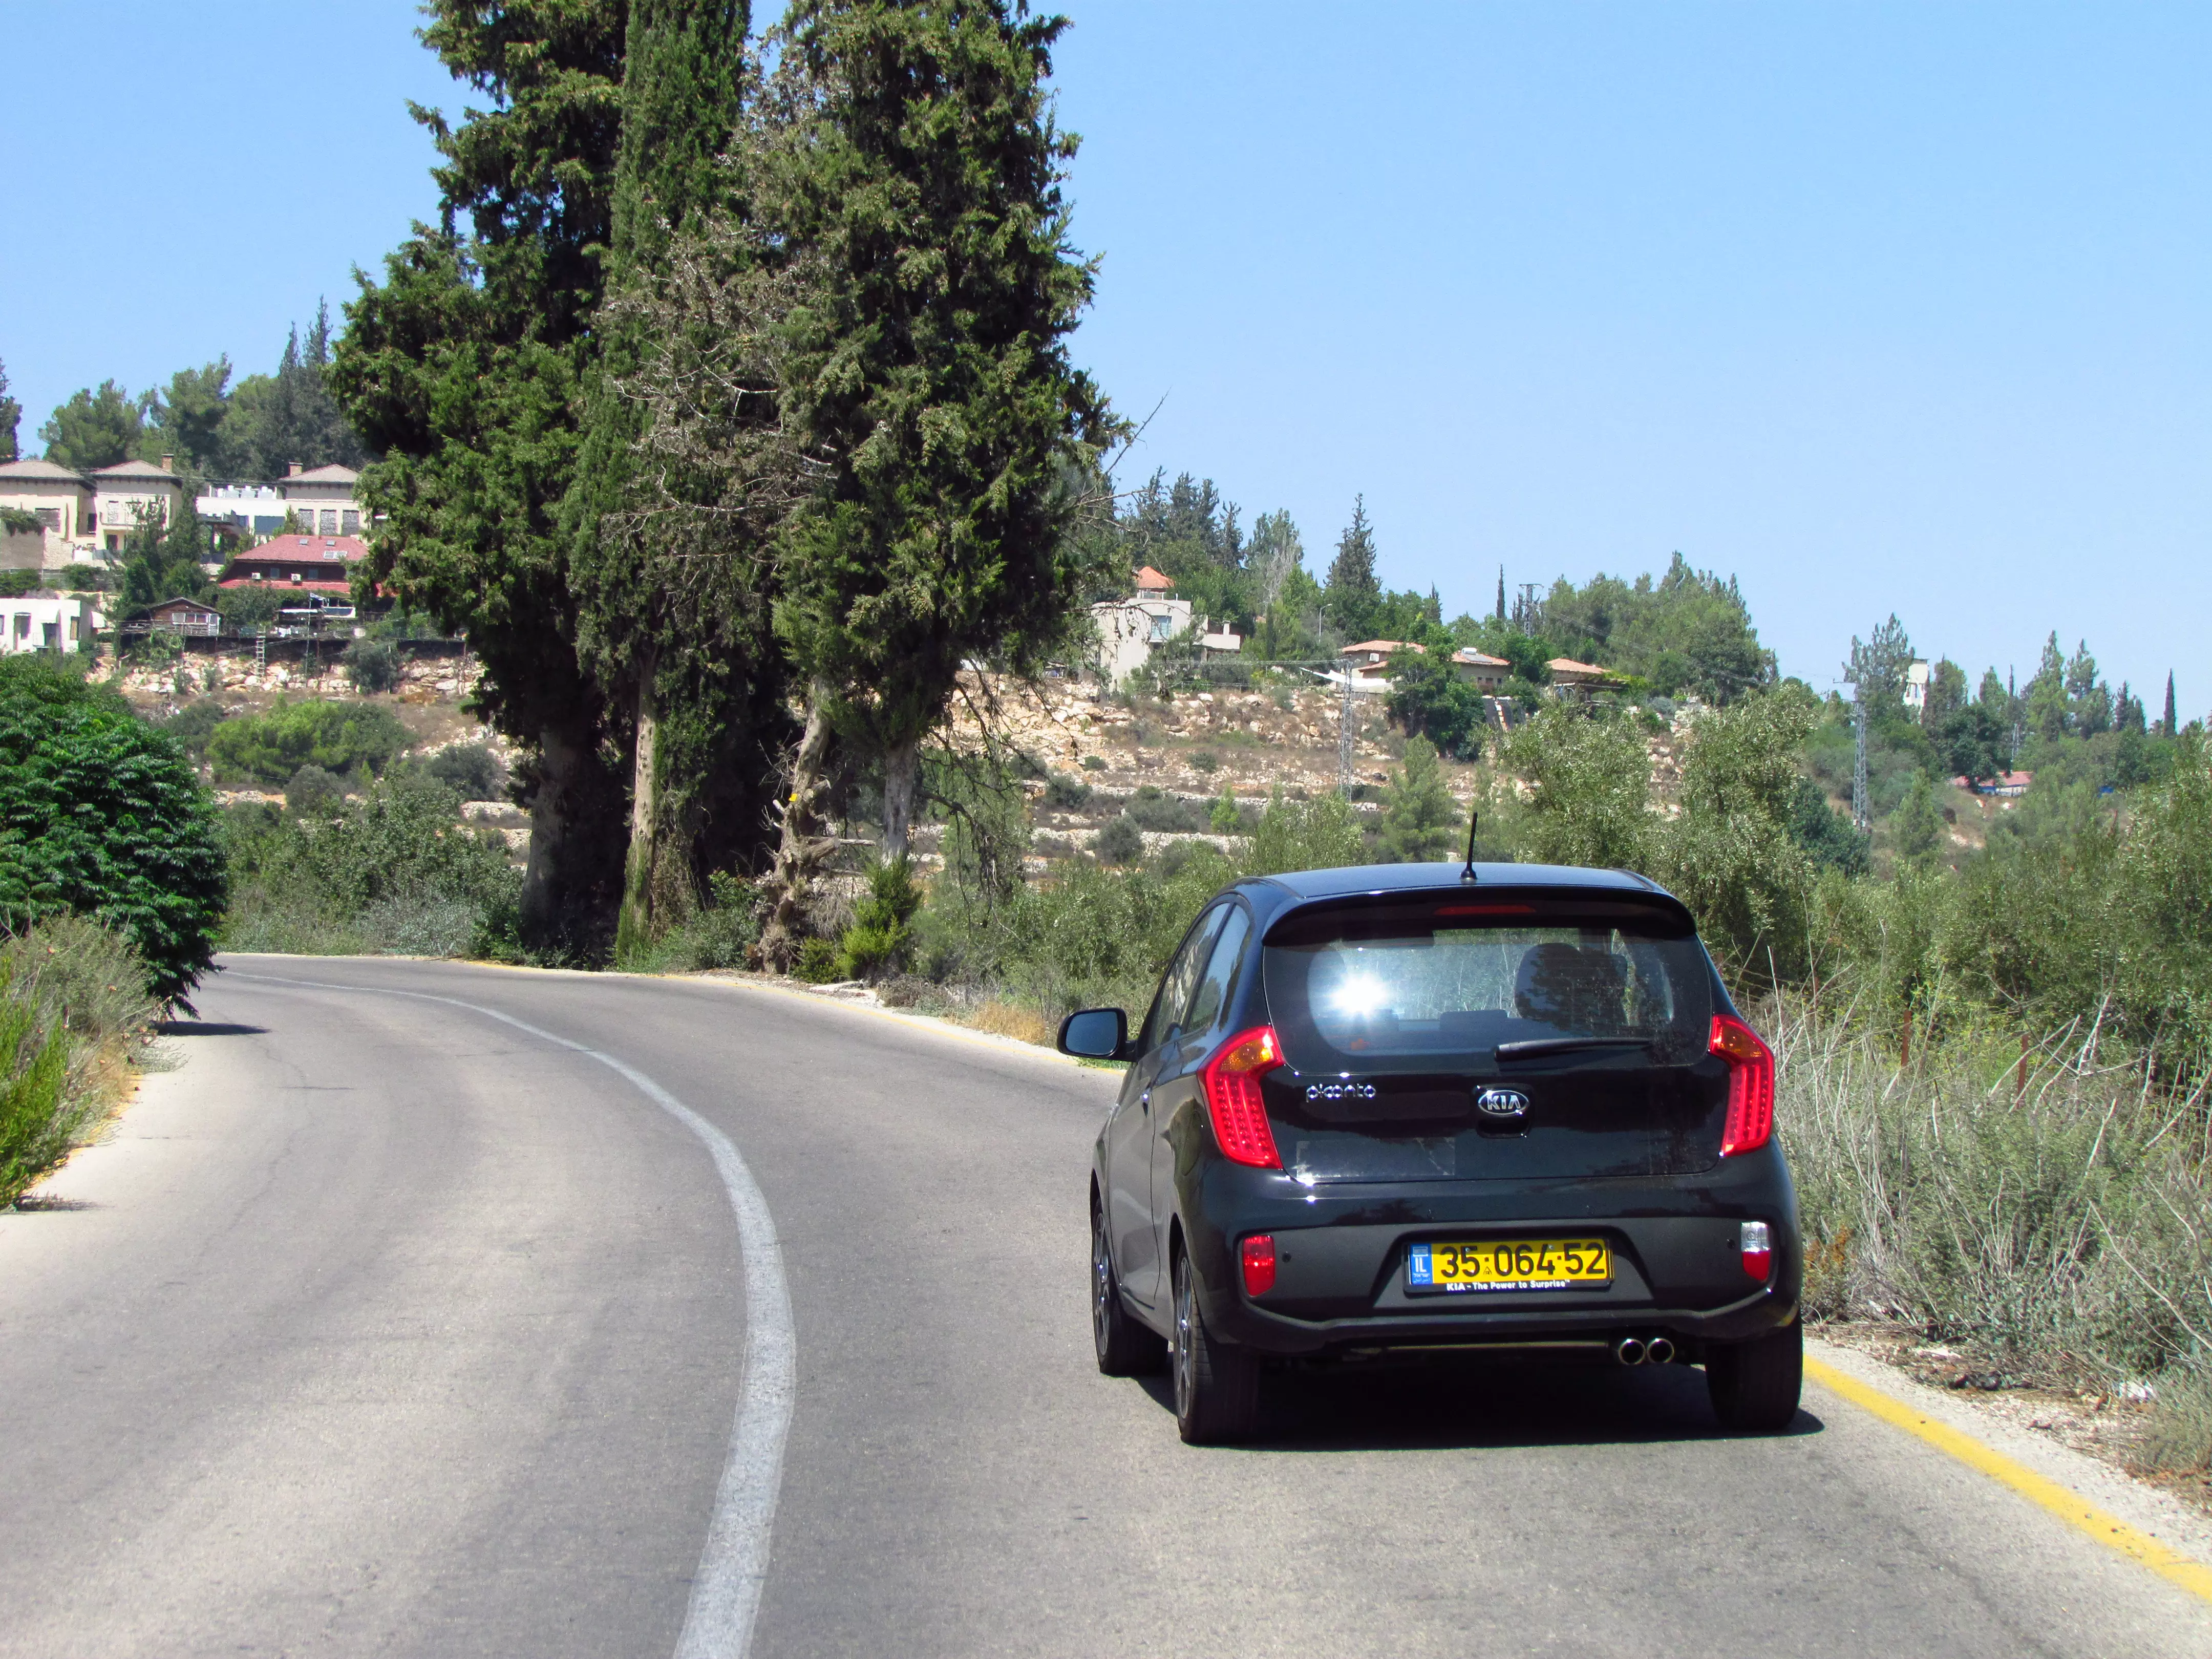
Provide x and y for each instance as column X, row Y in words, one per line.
column 1425, row 984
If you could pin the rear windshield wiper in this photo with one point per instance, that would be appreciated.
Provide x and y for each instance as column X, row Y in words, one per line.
column 1539, row 1048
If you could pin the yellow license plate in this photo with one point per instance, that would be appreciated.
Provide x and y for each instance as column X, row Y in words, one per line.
column 1508, row 1264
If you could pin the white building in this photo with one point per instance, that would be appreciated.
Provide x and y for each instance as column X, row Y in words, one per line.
column 46, row 623
column 324, row 498
column 1916, row 687
column 1129, row 629
column 132, row 492
column 61, row 500
column 256, row 509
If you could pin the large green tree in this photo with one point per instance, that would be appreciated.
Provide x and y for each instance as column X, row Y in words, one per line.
column 95, row 429
column 677, row 665
column 291, row 416
column 464, row 370
column 1353, row 591
column 927, row 379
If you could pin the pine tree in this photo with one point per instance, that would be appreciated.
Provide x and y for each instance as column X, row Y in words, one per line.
column 464, row 368
column 1419, row 813
column 929, row 377
column 11, row 416
column 685, row 67
column 1353, row 591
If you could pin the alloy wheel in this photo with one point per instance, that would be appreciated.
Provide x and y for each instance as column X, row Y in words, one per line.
column 1179, row 1344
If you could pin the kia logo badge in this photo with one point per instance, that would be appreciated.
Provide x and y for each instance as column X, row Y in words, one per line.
column 1503, row 1104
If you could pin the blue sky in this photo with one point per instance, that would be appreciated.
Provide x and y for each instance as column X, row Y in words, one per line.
column 1876, row 307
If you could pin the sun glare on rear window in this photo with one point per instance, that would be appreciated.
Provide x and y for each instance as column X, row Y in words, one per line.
column 1399, row 986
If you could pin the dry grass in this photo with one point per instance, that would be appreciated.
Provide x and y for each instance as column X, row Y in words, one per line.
column 1009, row 1019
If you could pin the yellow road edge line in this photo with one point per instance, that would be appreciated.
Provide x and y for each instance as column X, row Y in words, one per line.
column 2069, row 1506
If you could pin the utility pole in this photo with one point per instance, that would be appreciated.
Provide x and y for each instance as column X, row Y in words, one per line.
column 1344, row 735
column 1860, row 816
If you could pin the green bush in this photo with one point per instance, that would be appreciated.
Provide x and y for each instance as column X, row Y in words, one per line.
column 394, row 873
column 71, row 997
column 1591, row 779
column 371, row 665
column 1323, row 834
column 880, row 938
column 1154, row 809
column 339, row 736
column 313, row 793
column 818, row 963
column 1225, row 819
column 1094, row 763
column 469, row 770
column 192, row 724
column 1120, row 842
column 253, row 606
column 101, row 815
column 1066, row 794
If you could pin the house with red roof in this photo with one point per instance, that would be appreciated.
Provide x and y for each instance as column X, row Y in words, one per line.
column 310, row 564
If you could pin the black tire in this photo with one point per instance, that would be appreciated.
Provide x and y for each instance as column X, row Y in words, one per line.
column 1754, row 1385
column 1125, row 1348
column 1217, row 1385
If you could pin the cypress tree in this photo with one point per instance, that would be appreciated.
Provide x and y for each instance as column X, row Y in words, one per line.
column 928, row 380
column 1352, row 592
column 1501, row 593
column 665, row 668
column 2171, row 728
column 463, row 371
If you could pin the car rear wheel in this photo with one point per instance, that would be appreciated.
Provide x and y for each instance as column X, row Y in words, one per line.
column 1754, row 1385
column 1217, row 1385
column 1125, row 1348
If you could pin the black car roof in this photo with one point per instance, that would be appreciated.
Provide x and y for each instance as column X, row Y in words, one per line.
column 1379, row 878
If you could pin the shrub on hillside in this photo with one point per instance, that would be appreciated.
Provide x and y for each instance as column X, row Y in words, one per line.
column 470, row 770
column 101, row 815
column 338, row 736
column 1120, row 842
column 313, row 793
column 371, row 665
column 394, row 872
column 194, row 724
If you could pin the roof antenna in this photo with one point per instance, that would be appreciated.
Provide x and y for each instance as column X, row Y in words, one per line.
column 1472, row 817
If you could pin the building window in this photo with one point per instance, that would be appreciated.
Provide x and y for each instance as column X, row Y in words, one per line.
column 330, row 521
column 22, row 626
column 349, row 522
column 1161, row 625
column 50, row 518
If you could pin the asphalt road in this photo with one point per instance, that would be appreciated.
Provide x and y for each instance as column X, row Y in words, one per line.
column 386, row 1326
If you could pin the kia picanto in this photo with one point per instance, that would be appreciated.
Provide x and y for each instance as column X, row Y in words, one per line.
column 1412, row 1109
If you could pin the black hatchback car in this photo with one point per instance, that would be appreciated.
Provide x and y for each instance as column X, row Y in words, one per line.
column 1418, row 1107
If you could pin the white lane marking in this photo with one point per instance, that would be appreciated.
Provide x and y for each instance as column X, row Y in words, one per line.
column 733, row 1565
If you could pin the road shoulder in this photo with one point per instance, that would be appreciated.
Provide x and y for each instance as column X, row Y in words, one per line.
column 2160, row 1515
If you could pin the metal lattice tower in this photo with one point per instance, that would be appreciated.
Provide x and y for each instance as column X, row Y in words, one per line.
column 1344, row 735
column 1859, row 814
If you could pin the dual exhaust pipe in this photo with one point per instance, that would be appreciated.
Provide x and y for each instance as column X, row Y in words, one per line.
column 1644, row 1351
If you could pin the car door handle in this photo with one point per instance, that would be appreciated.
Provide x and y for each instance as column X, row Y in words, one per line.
column 1145, row 1100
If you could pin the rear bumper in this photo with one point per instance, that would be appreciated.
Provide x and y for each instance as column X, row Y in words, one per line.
column 1340, row 1252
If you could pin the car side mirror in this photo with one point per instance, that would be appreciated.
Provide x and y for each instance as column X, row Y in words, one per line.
column 1095, row 1034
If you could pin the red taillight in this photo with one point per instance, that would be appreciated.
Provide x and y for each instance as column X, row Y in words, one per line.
column 1259, row 1258
column 1232, row 1097
column 1756, row 1242
column 1751, row 1085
